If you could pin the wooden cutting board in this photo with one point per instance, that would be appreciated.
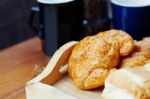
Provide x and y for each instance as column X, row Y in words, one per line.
column 52, row 75
column 67, row 86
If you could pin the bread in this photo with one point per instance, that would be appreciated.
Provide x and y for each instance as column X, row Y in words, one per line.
column 121, row 40
column 144, row 44
column 94, row 56
column 90, row 61
column 140, row 56
column 128, row 83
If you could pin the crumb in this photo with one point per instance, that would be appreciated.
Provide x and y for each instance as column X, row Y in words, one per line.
column 37, row 70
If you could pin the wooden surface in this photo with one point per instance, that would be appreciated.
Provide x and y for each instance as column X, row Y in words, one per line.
column 16, row 66
column 66, row 85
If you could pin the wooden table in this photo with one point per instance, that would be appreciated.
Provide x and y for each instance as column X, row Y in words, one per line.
column 16, row 66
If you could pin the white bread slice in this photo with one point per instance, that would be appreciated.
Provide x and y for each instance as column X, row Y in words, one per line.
column 113, row 92
column 128, row 83
column 147, row 67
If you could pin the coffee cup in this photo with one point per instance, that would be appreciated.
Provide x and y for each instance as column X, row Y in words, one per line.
column 132, row 16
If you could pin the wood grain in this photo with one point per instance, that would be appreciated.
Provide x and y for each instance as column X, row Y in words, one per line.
column 66, row 85
column 16, row 65
column 16, row 68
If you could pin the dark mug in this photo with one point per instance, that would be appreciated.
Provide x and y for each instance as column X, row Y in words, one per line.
column 60, row 22
column 132, row 16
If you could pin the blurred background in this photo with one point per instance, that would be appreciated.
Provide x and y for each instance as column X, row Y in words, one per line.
column 20, row 20
column 59, row 23
column 14, row 18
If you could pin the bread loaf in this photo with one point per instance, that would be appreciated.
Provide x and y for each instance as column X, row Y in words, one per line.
column 128, row 83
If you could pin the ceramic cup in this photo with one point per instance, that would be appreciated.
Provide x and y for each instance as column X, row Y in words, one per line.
column 132, row 16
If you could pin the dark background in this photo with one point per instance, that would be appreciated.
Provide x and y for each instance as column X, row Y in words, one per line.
column 14, row 18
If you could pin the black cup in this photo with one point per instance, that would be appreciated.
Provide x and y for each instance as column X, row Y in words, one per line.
column 60, row 23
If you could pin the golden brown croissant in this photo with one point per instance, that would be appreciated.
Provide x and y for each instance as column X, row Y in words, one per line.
column 90, row 62
column 94, row 56
column 122, row 41
column 140, row 56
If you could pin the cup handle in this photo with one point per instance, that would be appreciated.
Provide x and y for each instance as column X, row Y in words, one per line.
column 34, row 10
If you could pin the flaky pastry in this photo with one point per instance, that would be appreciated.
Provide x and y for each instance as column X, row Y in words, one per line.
column 140, row 56
column 90, row 62
column 94, row 56
column 122, row 41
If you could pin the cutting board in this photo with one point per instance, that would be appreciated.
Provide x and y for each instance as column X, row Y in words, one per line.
column 66, row 85
column 52, row 75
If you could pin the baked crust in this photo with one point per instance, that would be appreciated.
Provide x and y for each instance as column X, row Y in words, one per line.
column 140, row 56
column 90, row 61
column 94, row 56
column 121, row 40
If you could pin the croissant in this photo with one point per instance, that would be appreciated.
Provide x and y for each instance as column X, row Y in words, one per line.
column 94, row 56
column 121, row 40
column 140, row 56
